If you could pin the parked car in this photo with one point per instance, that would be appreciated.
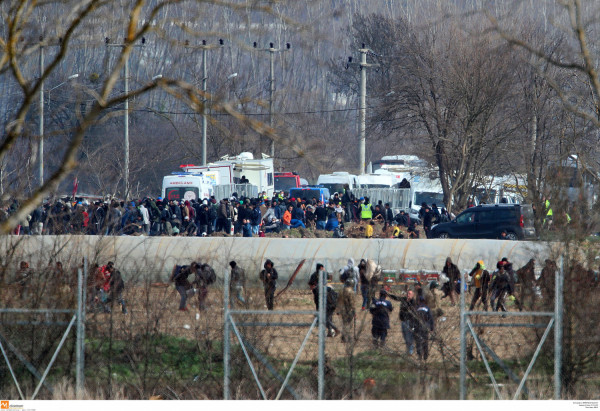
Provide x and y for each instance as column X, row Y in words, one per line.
column 489, row 221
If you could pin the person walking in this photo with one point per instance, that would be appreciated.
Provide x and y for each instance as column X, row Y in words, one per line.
column 347, row 310
column 407, row 318
column 180, row 276
column 269, row 278
column 481, row 280
column 453, row 273
column 117, row 285
column 350, row 271
column 205, row 276
column 237, row 284
column 364, row 283
column 380, row 309
column 499, row 286
column 313, row 283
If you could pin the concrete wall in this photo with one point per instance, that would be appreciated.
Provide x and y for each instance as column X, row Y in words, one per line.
column 154, row 257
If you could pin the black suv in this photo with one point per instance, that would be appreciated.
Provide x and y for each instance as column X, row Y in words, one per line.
column 489, row 221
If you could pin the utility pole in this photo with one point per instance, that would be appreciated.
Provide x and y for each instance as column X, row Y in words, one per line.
column 204, row 124
column 126, row 114
column 41, row 143
column 362, row 109
column 272, row 50
column 204, row 47
column 126, row 129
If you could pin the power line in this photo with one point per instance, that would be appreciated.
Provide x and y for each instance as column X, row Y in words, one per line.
column 249, row 114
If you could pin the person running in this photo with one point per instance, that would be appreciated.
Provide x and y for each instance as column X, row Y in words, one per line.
column 269, row 278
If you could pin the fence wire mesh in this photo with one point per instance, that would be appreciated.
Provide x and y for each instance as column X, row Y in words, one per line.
column 157, row 351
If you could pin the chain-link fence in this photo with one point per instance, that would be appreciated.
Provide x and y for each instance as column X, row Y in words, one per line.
column 240, row 190
column 398, row 198
column 156, row 350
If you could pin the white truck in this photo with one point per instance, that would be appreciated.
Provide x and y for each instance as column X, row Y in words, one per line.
column 227, row 175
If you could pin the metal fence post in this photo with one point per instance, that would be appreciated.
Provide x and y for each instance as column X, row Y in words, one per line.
column 226, row 339
column 463, row 342
column 79, row 338
column 322, row 302
column 558, row 330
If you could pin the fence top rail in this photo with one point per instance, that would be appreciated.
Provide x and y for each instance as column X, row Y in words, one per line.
column 37, row 311
column 274, row 312
column 511, row 313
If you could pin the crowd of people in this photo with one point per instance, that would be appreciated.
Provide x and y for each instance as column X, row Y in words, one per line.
column 419, row 304
column 246, row 216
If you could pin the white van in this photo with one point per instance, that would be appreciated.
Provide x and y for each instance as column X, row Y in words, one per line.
column 186, row 186
column 336, row 181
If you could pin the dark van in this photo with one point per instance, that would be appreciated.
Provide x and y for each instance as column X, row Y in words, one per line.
column 489, row 221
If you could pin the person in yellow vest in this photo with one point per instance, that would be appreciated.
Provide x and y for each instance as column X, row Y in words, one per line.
column 396, row 233
column 369, row 230
column 480, row 280
column 548, row 211
column 366, row 211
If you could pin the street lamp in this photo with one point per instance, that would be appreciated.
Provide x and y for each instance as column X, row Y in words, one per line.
column 126, row 109
column 41, row 144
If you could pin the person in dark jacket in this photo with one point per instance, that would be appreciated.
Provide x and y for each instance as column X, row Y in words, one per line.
column 512, row 278
column 313, row 283
column 423, row 325
column 269, row 278
column 407, row 318
column 117, row 285
column 389, row 215
column 255, row 218
column 526, row 276
column 204, row 276
column 499, row 287
column 453, row 273
column 347, row 310
column 364, row 283
column 180, row 276
column 380, row 309
column 427, row 221
column 330, row 299
column 237, row 283
column 203, row 219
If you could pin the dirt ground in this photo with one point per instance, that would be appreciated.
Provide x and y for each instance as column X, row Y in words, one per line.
column 161, row 309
